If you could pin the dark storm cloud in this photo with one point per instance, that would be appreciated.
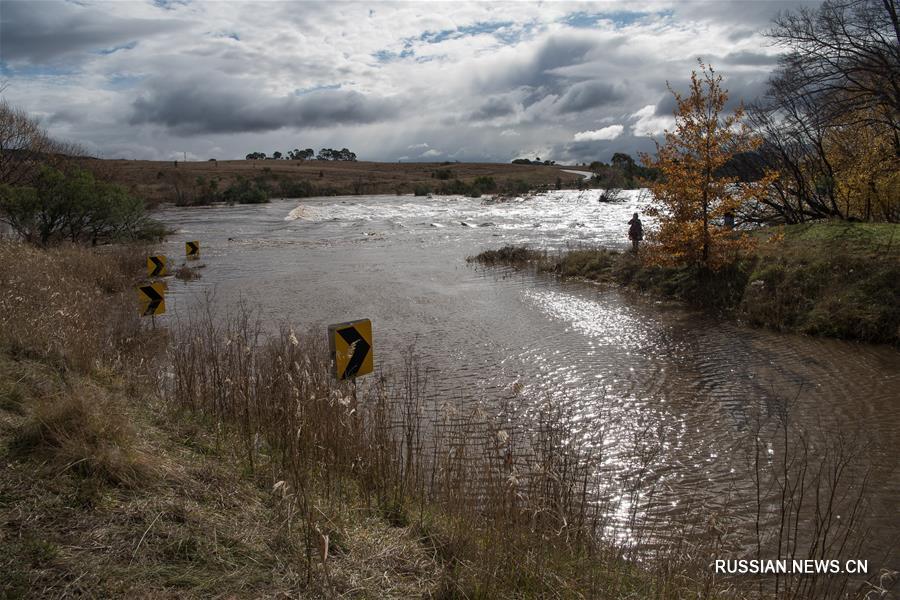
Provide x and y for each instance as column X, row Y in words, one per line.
column 666, row 106
column 588, row 151
column 493, row 107
column 589, row 94
column 538, row 72
column 234, row 107
column 741, row 88
column 754, row 15
column 753, row 59
column 40, row 32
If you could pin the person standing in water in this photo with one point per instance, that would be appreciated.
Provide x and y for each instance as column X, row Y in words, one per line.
column 635, row 232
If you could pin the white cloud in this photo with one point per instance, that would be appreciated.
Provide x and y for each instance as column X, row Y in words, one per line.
column 509, row 133
column 431, row 152
column 648, row 123
column 606, row 133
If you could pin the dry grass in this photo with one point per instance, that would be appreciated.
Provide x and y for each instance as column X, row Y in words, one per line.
column 71, row 305
column 187, row 273
column 105, row 493
column 155, row 181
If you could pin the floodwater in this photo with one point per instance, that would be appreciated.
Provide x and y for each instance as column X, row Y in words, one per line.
column 680, row 391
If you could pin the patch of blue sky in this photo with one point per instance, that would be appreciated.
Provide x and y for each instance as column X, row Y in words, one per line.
column 170, row 4
column 316, row 88
column 129, row 46
column 34, row 71
column 501, row 29
column 510, row 35
column 619, row 18
column 225, row 34
column 482, row 27
column 121, row 81
column 386, row 56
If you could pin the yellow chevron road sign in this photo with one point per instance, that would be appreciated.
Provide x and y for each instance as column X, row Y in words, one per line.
column 156, row 266
column 192, row 249
column 152, row 299
column 351, row 348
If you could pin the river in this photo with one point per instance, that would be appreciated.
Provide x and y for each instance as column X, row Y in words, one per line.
column 619, row 361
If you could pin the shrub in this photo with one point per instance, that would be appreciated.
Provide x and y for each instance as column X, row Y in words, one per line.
column 246, row 192
column 74, row 206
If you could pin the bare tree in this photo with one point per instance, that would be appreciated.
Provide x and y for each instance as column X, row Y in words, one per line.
column 23, row 145
column 845, row 56
column 840, row 75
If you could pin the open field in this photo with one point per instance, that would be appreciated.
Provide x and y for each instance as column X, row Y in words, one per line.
column 160, row 181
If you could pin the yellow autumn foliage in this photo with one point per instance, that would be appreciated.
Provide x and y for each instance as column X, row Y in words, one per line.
column 866, row 169
column 692, row 197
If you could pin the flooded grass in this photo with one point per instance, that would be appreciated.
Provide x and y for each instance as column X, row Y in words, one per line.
column 833, row 279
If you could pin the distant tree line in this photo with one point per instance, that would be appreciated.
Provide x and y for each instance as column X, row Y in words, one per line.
column 536, row 161
column 307, row 154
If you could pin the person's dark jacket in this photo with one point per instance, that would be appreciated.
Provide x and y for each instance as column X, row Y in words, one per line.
column 636, row 231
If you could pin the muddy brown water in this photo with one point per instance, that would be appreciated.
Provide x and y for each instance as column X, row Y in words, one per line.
column 638, row 370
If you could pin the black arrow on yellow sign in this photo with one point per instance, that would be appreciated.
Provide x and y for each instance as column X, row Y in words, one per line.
column 351, row 348
column 153, row 300
column 192, row 248
column 359, row 347
column 156, row 266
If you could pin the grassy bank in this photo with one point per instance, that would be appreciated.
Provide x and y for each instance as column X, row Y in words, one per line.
column 832, row 279
column 207, row 459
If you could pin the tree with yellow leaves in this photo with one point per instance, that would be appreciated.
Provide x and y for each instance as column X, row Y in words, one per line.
column 866, row 168
column 692, row 198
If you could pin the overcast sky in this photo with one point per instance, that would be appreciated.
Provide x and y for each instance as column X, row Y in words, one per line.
column 391, row 81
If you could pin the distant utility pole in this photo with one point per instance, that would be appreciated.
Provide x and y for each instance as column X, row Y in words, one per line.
column 185, row 156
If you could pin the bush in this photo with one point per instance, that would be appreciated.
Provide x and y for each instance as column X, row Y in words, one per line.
column 246, row 192
column 484, row 184
column 516, row 186
column 74, row 206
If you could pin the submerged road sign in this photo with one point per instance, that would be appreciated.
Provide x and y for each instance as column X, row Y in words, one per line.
column 156, row 266
column 192, row 249
column 152, row 298
column 351, row 348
